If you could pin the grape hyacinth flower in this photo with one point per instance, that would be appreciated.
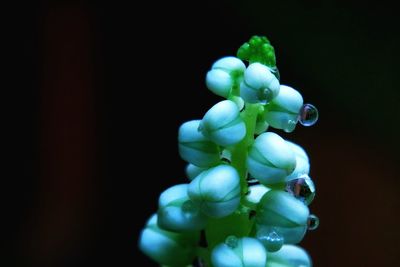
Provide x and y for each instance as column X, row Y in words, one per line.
column 245, row 202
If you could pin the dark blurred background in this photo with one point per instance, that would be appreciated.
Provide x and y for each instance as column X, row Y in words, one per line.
column 99, row 89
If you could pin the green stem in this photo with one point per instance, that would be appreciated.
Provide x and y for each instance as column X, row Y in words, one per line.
column 238, row 223
column 240, row 151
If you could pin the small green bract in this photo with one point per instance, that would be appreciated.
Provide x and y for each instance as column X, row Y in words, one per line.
column 245, row 200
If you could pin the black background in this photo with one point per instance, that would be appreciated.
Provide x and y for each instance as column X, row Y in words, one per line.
column 100, row 88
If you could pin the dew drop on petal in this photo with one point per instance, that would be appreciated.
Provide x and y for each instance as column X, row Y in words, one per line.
column 302, row 188
column 271, row 240
column 231, row 241
column 264, row 95
column 289, row 126
column 308, row 115
column 312, row 222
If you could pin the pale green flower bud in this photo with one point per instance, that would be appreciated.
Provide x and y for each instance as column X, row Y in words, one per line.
column 176, row 212
column 195, row 148
column 223, row 75
column 259, row 84
column 256, row 192
column 302, row 161
column 223, row 125
column 216, row 190
column 281, row 212
column 284, row 109
column 289, row 256
column 192, row 171
column 242, row 252
column 168, row 248
column 270, row 159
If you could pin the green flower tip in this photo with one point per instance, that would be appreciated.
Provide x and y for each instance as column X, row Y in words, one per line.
column 258, row 49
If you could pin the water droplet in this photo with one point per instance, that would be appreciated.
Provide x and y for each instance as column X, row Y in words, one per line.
column 308, row 115
column 264, row 95
column 312, row 222
column 272, row 240
column 302, row 188
column 231, row 241
column 289, row 126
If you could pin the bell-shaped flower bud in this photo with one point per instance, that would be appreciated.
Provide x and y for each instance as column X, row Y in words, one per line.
column 176, row 212
column 289, row 256
column 280, row 212
column 259, row 84
column 302, row 161
column 270, row 159
column 195, row 148
column 224, row 74
column 168, row 248
column 216, row 190
column 283, row 110
column 239, row 252
column 223, row 125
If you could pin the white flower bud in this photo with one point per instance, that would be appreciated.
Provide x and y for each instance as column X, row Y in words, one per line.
column 244, row 252
column 288, row 256
column 259, row 84
column 256, row 193
column 219, row 82
column 270, row 159
column 216, row 190
column 168, row 248
column 283, row 110
column 302, row 161
column 281, row 212
column 223, row 125
column 195, row 148
column 192, row 171
column 223, row 75
column 176, row 212
column 230, row 64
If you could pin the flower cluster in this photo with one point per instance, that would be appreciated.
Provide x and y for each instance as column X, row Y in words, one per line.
column 246, row 199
